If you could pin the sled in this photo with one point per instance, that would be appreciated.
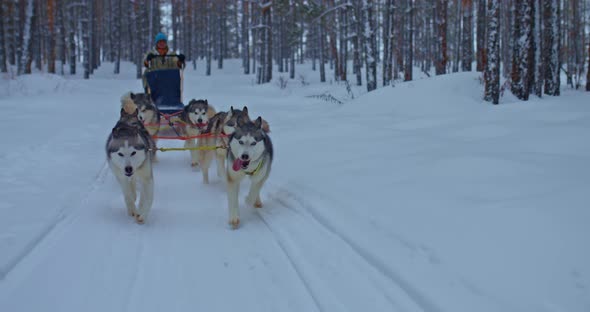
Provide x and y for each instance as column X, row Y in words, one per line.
column 165, row 87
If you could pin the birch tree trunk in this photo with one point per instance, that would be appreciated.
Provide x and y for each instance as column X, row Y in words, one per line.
column 481, row 35
column 72, row 36
column 24, row 66
column 387, row 55
column 245, row 37
column 523, row 46
column 551, row 46
column 492, row 72
column 117, row 10
column 409, row 42
column 441, row 22
column 370, row 44
column 3, row 67
column 467, row 33
column 85, row 24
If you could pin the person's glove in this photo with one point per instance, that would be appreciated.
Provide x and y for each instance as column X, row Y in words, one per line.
column 180, row 62
column 150, row 57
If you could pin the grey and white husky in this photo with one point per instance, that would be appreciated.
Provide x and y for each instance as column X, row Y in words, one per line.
column 195, row 116
column 129, row 150
column 148, row 113
column 221, row 126
column 250, row 153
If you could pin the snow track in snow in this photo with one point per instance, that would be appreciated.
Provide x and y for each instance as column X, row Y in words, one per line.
column 64, row 213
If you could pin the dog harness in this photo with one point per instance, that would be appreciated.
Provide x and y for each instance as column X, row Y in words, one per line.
column 255, row 170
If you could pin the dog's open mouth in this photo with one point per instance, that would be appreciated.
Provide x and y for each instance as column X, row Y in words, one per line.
column 201, row 125
column 128, row 174
column 240, row 164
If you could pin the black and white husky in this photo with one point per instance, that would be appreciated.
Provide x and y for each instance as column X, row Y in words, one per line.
column 196, row 116
column 250, row 153
column 130, row 152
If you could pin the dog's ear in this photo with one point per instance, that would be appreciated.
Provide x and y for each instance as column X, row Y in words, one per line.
column 231, row 112
column 245, row 111
column 206, row 102
column 265, row 126
column 185, row 112
column 132, row 95
column 258, row 122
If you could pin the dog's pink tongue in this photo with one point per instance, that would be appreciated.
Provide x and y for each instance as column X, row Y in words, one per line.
column 237, row 164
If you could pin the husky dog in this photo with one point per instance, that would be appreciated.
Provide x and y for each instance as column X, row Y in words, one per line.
column 148, row 113
column 221, row 126
column 250, row 153
column 196, row 116
column 129, row 154
column 130, row 116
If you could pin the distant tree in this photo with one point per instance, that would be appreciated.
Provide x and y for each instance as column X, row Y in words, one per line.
column 24, row 66
column 371, row 51
column 492, row 72
column 551, row 46
column 3, row 15
column 481, row 35
column 441, row 24
column 523, row 62
column 467, row 35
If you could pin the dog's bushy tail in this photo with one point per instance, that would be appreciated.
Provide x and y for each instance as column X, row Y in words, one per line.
column 127, row 103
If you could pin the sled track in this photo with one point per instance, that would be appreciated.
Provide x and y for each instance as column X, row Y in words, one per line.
column 307, row 209
column 291, row 262
column 61, row 217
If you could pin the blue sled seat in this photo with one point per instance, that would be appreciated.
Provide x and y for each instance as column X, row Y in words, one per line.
column 165, row 89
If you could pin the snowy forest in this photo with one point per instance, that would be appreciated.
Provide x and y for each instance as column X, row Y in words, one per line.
column 527, row 43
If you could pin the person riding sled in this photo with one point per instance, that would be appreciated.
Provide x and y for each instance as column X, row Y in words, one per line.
column 161, row 58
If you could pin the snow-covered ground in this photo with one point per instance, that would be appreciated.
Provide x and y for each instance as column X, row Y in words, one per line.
column 418, row 197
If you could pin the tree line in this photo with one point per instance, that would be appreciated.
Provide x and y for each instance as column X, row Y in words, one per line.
column 527, row 42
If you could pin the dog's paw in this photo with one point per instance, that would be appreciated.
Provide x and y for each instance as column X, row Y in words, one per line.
column 139, row 219
column 131, row 213
column 234, row 223
column 255, row 202
column 249, row 200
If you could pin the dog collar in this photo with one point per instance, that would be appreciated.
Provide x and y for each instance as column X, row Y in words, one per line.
column 255, row 170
